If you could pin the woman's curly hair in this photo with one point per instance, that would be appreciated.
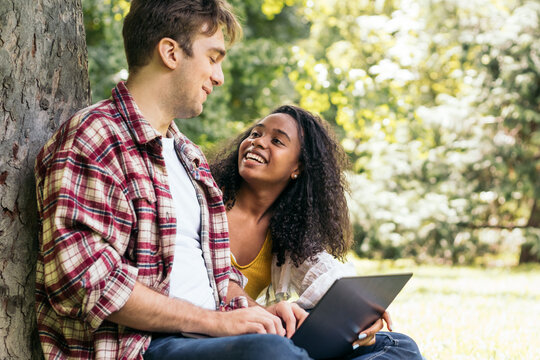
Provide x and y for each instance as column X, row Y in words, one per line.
column 311, row 214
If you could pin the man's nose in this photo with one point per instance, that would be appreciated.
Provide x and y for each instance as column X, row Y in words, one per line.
column 217, row 75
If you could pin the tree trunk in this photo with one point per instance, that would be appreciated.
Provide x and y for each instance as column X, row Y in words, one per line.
column 528, row 253
column 43, row 80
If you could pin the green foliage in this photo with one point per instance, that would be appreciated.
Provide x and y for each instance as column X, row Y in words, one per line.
column 439, row 105
column 106, row 60
column 509, row 61
column 436, row 102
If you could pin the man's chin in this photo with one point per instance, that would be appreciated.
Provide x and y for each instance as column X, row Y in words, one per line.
column 190, row 114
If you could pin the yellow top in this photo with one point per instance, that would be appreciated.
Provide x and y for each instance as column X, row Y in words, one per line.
column 258, row 271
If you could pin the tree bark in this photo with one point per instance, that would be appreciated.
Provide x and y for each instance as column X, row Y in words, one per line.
column 527, row 253
column 43, row 80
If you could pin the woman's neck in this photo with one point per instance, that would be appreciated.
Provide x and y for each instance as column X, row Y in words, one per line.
column 255, row 202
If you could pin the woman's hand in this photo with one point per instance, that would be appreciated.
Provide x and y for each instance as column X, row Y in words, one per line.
column 367, row 337
column 290, row 313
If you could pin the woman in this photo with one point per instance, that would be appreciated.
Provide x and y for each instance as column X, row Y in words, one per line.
column 284, row 189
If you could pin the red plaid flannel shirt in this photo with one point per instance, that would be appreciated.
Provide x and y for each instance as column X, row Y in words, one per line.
column 107, row 219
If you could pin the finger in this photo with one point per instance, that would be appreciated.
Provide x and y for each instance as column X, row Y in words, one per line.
column 268, row 324
column 280, row 330
column 256, row 328
column 374, row 328
column 363, row 340
column 301, row 321
column 290, row 320
column 274, row 321
column 295, row 316
column 277, row 326
column 371, row 340
column 267, row 320
column 286, row 312
column 388, row 320
column 300, row 314
column 367, row 336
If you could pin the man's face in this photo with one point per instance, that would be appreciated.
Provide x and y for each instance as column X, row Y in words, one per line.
column 197, row 75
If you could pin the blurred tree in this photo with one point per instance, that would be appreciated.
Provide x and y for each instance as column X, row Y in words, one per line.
column 508, row 61
column 426, row 93
column 375, row 68
column 436, row 102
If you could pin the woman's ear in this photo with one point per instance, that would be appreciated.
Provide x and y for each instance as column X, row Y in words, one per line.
column 169, row 52
column 296, row 173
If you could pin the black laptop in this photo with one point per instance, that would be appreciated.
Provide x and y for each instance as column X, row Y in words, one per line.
column 351, row 305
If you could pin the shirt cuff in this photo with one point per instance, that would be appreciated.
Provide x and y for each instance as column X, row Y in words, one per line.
column 238, row 277
column 238, row 302
column 119, row 286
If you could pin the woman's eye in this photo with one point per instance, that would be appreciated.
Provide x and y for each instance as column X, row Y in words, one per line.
column 277, row 141
column 254, row 134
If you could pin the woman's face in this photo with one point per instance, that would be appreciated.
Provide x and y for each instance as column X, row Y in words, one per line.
column 270, row 154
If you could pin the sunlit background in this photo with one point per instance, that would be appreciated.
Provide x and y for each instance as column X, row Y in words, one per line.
column 437, row 103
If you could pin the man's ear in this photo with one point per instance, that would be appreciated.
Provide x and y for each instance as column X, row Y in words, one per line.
column 169, row 52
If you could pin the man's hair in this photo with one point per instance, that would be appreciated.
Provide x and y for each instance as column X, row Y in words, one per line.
column 149, row 21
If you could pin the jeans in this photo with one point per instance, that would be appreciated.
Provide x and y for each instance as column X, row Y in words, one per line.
column 388, row 345
column 271, row 347
column 242, row 347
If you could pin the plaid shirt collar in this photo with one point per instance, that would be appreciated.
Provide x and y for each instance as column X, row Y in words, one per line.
column 144, row 133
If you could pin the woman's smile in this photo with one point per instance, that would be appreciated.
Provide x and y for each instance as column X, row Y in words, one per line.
column 254, row 156
column 270, row 153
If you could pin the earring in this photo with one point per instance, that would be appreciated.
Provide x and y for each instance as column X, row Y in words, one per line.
column 295, row 176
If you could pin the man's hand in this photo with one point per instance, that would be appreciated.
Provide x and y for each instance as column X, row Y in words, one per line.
column 244, row 321
column 367, row 337
column 292, row 314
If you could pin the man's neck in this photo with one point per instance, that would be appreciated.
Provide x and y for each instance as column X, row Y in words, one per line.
column 146, row 92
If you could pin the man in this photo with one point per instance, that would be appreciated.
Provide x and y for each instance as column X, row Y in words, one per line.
column 134, row 245
column 134, row 240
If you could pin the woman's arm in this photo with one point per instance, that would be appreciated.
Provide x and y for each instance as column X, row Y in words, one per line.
column 312, row 279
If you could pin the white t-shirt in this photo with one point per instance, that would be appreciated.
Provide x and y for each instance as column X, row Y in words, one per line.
column 189, row 277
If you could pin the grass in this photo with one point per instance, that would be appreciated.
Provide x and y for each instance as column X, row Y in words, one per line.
column 466, row 312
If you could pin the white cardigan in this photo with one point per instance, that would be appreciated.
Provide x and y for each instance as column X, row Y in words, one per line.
column 305, row 284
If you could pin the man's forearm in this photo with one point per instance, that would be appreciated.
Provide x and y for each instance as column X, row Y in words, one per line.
column 149, row 310
column 235, row 290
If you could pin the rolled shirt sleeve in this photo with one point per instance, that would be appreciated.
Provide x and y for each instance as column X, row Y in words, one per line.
column 314, row 278
column 86, row 229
